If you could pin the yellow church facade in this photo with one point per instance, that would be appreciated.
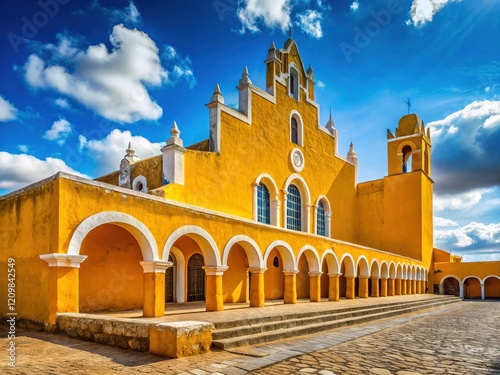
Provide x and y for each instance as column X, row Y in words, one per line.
column 265, row 209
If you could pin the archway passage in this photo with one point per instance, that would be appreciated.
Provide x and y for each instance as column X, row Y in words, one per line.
column 235, row 281
column 196, row 278
column 492, row 288
column 111, row 278
column 451, row 287
column 274, row 279
column 472, row 288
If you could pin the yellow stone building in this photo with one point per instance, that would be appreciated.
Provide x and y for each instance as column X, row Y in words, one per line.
column 264, row 209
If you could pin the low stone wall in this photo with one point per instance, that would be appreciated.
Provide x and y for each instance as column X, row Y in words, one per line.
column 176, row 339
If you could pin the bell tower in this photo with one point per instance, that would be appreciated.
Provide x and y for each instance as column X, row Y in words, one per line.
column 410, row 148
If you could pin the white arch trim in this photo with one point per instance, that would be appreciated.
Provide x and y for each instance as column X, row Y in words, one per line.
column 384, row 270
column 312, row 257
column 264, row 177
column 448, row 276
column 140, row 232
column 392, row 270
column 333, row 267
column 180, row 277
column 201, row 237
column 274, row 204
column 287, row 255
column 302, row 186
column 328, row 215
column 363, row 265
column 487, row 277
column 351, row 270
column 251, row 249
column 377, row 268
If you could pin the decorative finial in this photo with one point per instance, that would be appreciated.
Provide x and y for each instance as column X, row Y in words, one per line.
column 351, row 153
column 330, row 125
column 244, row 77
column 130, row 150
column 409, row 105
column 217, row 95
column 272, row 47
column 175, row 130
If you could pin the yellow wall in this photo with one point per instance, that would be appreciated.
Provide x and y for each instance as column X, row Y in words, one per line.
column 235, row 279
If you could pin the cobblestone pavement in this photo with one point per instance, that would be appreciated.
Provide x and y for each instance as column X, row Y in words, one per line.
column 463, row 338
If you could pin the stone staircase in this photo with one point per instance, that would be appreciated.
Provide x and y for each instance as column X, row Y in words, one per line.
column 236, row 333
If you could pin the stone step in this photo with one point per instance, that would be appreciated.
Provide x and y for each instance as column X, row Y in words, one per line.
column 264, row 332
column 329, row 311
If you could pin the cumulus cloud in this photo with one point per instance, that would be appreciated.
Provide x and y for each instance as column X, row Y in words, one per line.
column 422, row 11
column 466, row 155
column 474, row 236
column 321, row 84
column 442, row 222
column 19, row 170
column 112, row 83
column 58, row 132
column 61, row 102
column 462, row 201
column 7, row 110
column 179, row 66
column 310, row 23
column 354, row 6
column 107, row 153
column 129, row 15
column 23, row 148
column 274, row 13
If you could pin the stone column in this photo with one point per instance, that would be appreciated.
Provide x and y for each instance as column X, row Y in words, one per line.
column 154, row 287
column 290, row 286
column 333, row 287
column 257, row 296
column 399, row 287
column 462, row 290
column 350, row 287
column 403, row 287
column 414, row 287
column 383, row 290
column 392, row 288
column 315, row 286
column 363, row 286
column 63, row 283
column 214, row 300
column 375, row 289
column 482, row 291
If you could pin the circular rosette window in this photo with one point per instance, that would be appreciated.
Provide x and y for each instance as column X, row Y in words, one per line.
column 297, row 159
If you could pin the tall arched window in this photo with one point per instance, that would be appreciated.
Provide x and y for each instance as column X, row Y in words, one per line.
column 263, row 204
column 294, row 209
column 320, row 219
column 294, row 131
column 294, row 83
column 407, row 160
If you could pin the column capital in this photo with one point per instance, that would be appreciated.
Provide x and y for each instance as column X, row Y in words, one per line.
column 257, row 270
column 215, row 270
column 155, row 266
column 333, row 274
column 292, row 272
column 375, row 277
column 364, row 276
column 315, row 273
column 63, row 260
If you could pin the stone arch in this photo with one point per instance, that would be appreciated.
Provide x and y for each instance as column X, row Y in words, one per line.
column 400, row 272
column 350, row 270
column 384, row 270
column 392, row 270
column 442, row 284
column 286, row 253
column 362, row 264
column 331, row 260
column 301, row 184
column 312, row 258
column 201, row 237
column 140, row 232
column 374, row 268
column 487, row 277
column 180, row 276
column 251, row 249
column 305, row 196
column 274, row 206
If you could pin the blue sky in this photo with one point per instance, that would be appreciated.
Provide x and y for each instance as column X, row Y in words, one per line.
column 80, row 79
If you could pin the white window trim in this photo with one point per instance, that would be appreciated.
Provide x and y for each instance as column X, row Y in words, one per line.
column 137, row 181
column 300, row 127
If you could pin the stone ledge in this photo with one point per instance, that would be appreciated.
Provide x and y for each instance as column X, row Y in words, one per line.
column 180, row 339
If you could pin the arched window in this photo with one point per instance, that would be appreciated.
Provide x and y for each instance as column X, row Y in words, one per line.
column 294, row 131
column 294, row 209
column 293, row 83
column 407, row 151
column 263, row 204
column 320, row 218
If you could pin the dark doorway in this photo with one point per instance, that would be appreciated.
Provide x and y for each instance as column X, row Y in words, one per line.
column 196, row 279
column 169, row 281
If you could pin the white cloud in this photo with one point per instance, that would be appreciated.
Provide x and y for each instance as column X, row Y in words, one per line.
column 465, row 154
column 422, row 11
column 129, row 15
column 108, row 152
column 310, row 23
column 62, row 102
column 19, row 170
column 442, row 222
column 7, row 111
column 23, row 148
column 180, row 67
column 321, row 84
column 274, row 13
column 354, row 6
column 475, row 235
column 58, row 132
column 462, row 201
column 65, row 48
column 112, row 83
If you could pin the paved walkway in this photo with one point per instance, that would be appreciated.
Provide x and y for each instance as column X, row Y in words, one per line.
column 462, row 338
